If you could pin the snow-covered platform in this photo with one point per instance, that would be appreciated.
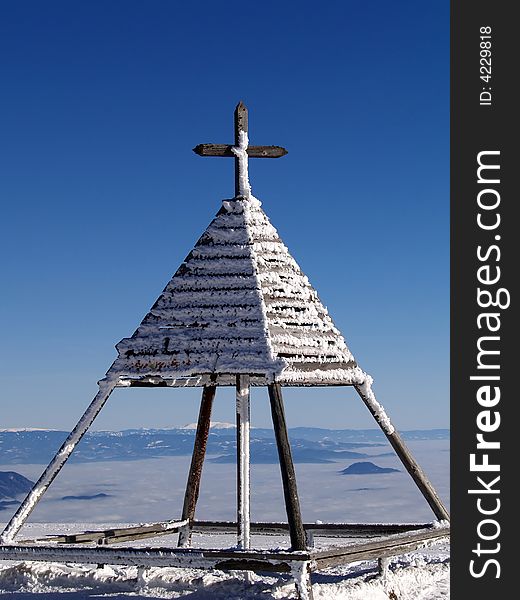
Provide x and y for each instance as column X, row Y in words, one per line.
column 359, row 542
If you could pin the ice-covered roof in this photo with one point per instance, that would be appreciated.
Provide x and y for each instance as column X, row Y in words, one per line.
column 238, row 304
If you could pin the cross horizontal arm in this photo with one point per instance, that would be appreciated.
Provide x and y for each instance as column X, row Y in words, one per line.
column 252, row 151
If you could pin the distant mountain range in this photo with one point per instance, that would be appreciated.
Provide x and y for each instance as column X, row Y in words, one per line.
column 309, row 444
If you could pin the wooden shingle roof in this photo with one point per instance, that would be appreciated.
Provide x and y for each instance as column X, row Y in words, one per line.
column 238, row 304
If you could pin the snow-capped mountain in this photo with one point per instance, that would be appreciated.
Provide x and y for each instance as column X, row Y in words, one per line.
column 213, row 425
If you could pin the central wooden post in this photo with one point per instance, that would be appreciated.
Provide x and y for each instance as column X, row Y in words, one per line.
column 243, row 476
column 290, row 491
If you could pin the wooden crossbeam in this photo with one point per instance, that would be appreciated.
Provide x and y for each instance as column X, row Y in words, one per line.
column 252, row 151
column 351, row 530
column 392, row 545
column 130, row 537
column 277, row 561
column 357, row 530
column 132, row 532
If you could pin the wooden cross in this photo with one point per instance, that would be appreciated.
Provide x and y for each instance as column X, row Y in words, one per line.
column 241, row 124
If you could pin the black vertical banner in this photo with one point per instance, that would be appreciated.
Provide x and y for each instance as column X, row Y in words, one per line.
column 485, row 245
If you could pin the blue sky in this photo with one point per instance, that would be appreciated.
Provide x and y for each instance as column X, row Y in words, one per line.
column 102, row 197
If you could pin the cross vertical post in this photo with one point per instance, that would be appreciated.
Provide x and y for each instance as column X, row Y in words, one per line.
column 241, row 121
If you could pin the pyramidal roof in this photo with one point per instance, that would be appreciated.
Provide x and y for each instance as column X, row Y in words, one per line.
column 238, row 304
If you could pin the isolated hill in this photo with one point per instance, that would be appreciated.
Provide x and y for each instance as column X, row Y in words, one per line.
column 13, row 484
column 366, row 468
column 87, row 497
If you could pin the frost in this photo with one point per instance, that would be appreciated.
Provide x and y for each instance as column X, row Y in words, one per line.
column 442, row 524
column 365, row 389
column 240, row 151
column 301, row 577
column 320, row 376
column 244, row 491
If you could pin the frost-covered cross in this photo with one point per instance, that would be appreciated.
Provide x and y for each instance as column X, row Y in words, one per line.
column 241, row 151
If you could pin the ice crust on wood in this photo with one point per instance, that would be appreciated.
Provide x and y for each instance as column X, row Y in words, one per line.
column 243, row 459
column 240, row 151
column 365, row 389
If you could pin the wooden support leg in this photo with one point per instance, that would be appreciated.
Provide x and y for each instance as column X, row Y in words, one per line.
column 40, row 487
column 243, row 414
column 292, row 502
column 197, row 461
column 417, row 474
column 302, row 579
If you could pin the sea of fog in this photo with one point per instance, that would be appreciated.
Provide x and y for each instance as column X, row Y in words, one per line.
column 153, row 489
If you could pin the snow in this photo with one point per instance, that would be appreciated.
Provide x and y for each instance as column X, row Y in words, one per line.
column 240, row 151
column 419, row 575
column 23, row 429
column 213, row 425
column 365, row 389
